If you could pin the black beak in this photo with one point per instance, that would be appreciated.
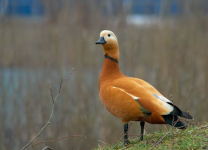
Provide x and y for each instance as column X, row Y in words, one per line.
column 101, row 41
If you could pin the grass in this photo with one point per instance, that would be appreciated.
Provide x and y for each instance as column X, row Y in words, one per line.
column 194, row 137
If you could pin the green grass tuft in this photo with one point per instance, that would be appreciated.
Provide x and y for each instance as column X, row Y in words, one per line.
column 194, row 137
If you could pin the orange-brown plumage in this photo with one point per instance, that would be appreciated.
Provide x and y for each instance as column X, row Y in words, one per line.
column 130, row 99
column 112, row 85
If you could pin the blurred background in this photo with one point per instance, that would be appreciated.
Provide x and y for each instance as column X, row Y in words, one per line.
column 164, row 42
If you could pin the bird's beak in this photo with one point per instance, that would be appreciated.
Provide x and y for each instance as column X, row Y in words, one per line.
column 101, row 41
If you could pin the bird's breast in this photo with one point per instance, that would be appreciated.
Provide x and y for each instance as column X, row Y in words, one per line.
column 120, row 104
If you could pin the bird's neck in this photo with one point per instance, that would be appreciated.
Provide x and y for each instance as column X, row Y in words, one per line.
column 111, row 58
column 111, row 51
column 110, row 70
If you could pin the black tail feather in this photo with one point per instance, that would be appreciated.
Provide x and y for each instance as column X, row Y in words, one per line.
column 186, row 115
column 174, row 121
column 180, row 113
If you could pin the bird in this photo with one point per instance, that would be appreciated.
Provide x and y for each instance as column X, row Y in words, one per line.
column 132, row 99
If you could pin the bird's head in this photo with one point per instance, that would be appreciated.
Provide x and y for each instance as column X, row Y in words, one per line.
column 110, row 44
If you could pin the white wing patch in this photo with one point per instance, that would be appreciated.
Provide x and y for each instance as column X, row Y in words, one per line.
column 161, row 98
column 164, row 100
column 134, row 97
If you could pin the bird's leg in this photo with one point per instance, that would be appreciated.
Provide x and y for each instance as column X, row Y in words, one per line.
column 126, row 141
column 142, row 130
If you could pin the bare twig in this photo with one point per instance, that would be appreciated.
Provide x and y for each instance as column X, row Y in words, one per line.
column 60, row 85
column 54, row 100
column 125, row 148
column 102, row 142
column 203, row 127
column 164, row 136
column 53, row 141
column 171, row 98
column 65, row 81
column 47, row 148
column 123, row 135
column 51, row 94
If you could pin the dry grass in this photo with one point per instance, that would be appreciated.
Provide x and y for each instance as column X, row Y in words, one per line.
column 33, row 56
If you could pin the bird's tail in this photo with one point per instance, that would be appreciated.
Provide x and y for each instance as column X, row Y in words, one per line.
column 174, row 121
column 180, row 113
column 186, row 115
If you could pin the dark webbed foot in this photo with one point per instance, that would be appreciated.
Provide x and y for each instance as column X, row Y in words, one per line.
column 126, row 142
column 141, row 138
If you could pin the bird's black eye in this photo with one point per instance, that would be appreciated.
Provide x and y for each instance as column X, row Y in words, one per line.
column 108, row 35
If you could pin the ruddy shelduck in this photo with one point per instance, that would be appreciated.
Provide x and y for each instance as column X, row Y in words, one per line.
column 132, row 99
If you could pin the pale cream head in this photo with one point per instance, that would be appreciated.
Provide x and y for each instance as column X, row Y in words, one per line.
column 110, row 44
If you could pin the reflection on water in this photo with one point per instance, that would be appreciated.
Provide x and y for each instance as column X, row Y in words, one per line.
column 25, row 103
column 20, row 86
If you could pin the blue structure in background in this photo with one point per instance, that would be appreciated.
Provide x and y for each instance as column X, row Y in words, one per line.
column 28, row 8
column 154, row 7
column 23, row 8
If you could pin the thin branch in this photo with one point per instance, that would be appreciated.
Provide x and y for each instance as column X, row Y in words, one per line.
column 67, row 79
column 101, row 142
column 61, row 84
column 52, row 95
column 54, row 100
column 37, row 134
column 123, row 135
column 53, row 141
column 164, row 136
column 47, row 148
column 125, row 148
column 171, row 97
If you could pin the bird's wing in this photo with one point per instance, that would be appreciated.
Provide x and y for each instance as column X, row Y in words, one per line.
column 146, row 85
column 151, row 100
